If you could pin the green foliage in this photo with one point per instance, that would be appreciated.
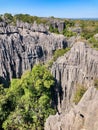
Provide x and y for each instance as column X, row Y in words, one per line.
column 23, row 17
column 68, row 33
column 80, row 90
column 27, row 102
column 89, row 28
column 50, row 63
column 69, row 23
column 53, row 30
column 1, row 19
column 86, row 34
column 93, row 42
column 2, row 91
column 8, row 17
column 29, row 19
column 96, row 83
column 56, row 55
column 59, row 53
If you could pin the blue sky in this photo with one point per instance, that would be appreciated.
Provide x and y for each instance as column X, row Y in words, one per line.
column 57, row 8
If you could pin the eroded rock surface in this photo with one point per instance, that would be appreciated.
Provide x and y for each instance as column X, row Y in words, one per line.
column 78, row 66
column 84, row 116
column 23, row 45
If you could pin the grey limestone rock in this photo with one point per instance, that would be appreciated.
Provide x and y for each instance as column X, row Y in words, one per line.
column 84, row 116
column 77, row 30
column 21, row 47
column 78, row 66
column 60, row 25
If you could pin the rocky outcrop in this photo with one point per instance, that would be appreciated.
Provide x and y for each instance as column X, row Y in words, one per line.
column 78, row 66
column 77, row 30
column 84, row 116
column 23, row 45
column 57, row 24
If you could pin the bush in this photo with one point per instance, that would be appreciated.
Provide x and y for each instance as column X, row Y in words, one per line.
column 93, row 42
column 53, row 30
column 69, row 23
column 1, row 19
column 29, row 19
column 23, row 17
column 89, row 28
column 56, row 55
column 59, row 53
column 96, row 83
column 80, row 90
column 28, row 101
column 8, row 17
column 68, row 33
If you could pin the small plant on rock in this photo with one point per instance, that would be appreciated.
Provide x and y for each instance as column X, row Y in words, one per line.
column 80, row 90
column 96, row 83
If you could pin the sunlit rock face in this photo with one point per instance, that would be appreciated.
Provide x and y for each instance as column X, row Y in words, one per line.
column 78, row 67
column 84, row 116
column 23, row 45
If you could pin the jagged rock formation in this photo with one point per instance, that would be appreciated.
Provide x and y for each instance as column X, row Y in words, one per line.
column 23, row 45
column 84, row 116
column 77, row 30
column 60, row 25
column 78, row 66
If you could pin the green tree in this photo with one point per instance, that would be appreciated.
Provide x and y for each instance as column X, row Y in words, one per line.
column 27, row 102
column 8, row 17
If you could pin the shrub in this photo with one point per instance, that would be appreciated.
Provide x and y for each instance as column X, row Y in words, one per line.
column 86, row 35
column 93, row 42
column 69, row 23
column 1, row 19
column 53, row 30
column 59, row 53
column 80, row 90
column 50, row 63
column 96, row 83
column 28, row 101
column 8, row 17
column 23, row 17
column 56, row 55
column 89, row 28
column 68, row 33
column 29, row 19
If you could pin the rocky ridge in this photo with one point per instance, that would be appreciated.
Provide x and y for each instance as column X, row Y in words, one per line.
column 84, row 116
column 78, row 66
column 23, row 45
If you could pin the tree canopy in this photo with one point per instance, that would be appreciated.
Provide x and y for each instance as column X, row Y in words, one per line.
column 27, row 102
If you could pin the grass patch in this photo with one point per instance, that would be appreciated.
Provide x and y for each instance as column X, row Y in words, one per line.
column 96, row 83
column 80, row 90
column 93, row 42
column 68, row 33
column 57, row 54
